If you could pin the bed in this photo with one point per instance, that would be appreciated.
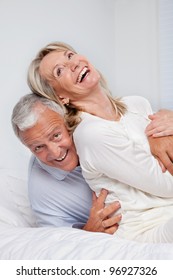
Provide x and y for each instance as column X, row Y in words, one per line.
column 21, row 239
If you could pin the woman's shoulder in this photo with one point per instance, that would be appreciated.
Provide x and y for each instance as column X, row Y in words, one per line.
column 89, row 123
column 137, row 104
column 134, row 100
column 91, row 129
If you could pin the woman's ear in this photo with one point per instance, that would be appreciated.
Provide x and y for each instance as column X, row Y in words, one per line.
column 64, row 101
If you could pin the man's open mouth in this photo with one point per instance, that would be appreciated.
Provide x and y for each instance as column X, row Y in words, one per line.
column 63, row 157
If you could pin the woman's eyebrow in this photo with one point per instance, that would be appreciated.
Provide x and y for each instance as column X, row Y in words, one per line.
column 65, row 53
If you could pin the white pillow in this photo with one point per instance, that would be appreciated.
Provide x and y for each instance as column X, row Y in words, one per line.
column 15, row 159
column 14, row 203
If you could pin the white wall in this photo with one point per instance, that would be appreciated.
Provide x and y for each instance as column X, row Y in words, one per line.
column 166, row 52
column 25, row 27
column 136, row 49
column 118, row 36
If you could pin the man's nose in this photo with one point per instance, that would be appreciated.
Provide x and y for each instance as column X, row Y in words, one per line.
column 53, row 151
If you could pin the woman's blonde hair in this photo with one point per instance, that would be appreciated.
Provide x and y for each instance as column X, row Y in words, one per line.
column 42, row 87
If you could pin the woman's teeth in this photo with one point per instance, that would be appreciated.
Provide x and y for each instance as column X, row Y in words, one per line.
column 82, row 74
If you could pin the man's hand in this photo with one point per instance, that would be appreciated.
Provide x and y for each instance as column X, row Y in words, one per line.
column 161, row 124
column 101, row 219
column 162, row 149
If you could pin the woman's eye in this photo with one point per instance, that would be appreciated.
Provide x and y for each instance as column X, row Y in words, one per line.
column 70, row 54
column 58, row 72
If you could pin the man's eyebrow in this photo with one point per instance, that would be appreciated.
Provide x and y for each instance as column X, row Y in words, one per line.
column 37, row 142
column 53, row 131
column 33, row 145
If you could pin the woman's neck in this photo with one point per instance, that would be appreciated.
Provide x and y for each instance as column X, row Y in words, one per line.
column 98, row 104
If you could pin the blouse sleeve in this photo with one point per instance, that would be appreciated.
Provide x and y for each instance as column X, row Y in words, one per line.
column 119, row 158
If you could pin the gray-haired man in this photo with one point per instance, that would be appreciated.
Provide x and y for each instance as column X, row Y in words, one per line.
column 58, row 192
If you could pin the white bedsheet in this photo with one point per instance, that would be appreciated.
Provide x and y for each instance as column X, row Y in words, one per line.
column 65, row 243
column 21, row 239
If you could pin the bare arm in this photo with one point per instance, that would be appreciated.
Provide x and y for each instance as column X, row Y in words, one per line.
column 162, row 149
column 99, row 219
column 161, row 124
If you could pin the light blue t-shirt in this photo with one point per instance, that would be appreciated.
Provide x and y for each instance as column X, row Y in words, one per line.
column 58, row 198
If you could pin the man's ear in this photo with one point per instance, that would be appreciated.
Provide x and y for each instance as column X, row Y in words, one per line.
column 64, row 100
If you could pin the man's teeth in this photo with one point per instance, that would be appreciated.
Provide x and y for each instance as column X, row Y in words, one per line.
column 61, row 158
column 81, row 74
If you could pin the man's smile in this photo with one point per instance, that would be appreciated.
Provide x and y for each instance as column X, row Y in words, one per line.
column 62, row 157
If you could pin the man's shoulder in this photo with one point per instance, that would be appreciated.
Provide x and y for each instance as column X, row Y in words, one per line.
column 34, row 164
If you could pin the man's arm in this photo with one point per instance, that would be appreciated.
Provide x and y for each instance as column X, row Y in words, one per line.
column 161, row 124
column 101, row 219
column 162, row 147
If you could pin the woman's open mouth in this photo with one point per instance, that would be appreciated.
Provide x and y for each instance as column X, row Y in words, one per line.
column 82, row 74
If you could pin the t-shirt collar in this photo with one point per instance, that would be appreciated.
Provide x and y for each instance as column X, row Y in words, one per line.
column 55, row 172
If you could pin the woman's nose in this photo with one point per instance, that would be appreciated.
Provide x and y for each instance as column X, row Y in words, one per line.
column 74, row 63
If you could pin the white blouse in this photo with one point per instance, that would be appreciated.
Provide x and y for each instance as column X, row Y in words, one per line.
column 116, row 156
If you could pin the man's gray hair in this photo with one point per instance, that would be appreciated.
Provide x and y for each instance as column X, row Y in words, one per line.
column 25, row 113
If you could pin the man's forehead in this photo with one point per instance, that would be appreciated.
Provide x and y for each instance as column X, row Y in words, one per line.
column 42, row 109
column 47, row 123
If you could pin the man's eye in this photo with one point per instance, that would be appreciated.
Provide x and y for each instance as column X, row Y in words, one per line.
column 57, row 135
column 38, row 148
